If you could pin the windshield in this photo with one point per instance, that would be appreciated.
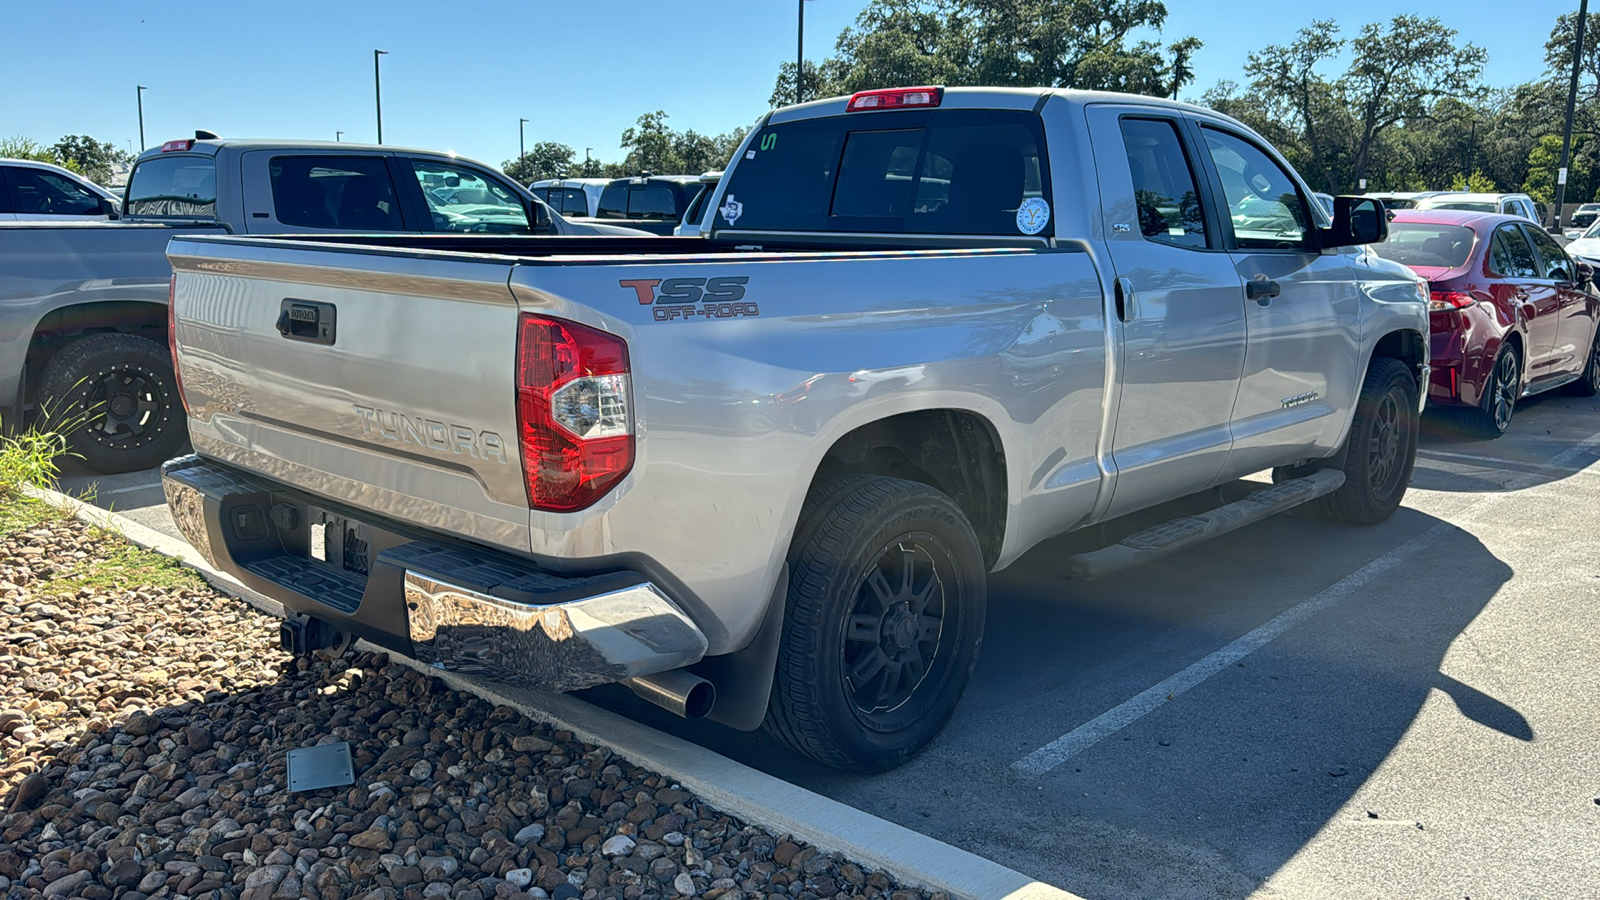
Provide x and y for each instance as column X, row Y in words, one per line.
column 1593, row 230
column 173, row 186
column 943, row 171
column 1426, row 244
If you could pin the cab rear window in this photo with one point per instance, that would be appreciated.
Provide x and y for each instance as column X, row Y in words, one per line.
column 173, row 186
column 903, row 172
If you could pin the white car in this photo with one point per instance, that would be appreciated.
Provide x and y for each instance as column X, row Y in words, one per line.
column 40, row 192
column 1505, row 204
column 578, row 197
column 1586, row 246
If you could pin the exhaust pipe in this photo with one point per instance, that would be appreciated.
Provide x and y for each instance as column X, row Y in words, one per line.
column 677, row 691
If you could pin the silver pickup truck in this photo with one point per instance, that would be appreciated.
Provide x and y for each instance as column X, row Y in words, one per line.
column 762, row 475
column 83, row 306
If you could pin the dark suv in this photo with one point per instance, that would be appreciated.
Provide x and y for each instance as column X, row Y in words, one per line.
column 654, row 203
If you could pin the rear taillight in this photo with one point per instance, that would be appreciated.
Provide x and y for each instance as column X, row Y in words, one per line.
column 180, row 146
column 172, row 338
column 573, row 412
column 1439, row 300
column 895, row 98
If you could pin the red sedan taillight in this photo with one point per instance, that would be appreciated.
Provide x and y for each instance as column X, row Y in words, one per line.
column 1439, row 300
column 573, row 412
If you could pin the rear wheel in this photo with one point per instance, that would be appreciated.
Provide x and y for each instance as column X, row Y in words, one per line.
column 115, row 398
column 1499, row 397
column 885, row 614
column 1378, row 453
column 1589, row 384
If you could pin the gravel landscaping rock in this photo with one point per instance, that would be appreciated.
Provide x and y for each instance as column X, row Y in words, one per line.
column 143, row 735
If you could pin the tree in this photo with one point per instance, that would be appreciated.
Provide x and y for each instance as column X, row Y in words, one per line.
column 96, row 160
column 1544, row 159
column 649, row 146
column 547, row 159
column 1399, row 73
column 1028, row 43
column 1182, row 51
column 19, row 147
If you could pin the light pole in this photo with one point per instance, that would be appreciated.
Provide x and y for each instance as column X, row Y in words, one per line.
column 140, row 93
column 1572, row 97
column 338, row 136
column 800, row 56
column 522, row 138
column 377, row 89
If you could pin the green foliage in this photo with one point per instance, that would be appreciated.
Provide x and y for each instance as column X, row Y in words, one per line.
column 96, row 160
column 126, row 567
column 655, row 147
column 1544, row 160
column 19, row 512
column 547, row 159
column 28, row 458
column 18, row 147
column 1059, row 43
column 1477, row 183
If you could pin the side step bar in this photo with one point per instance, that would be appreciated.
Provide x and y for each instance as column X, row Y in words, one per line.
column 1170, row 537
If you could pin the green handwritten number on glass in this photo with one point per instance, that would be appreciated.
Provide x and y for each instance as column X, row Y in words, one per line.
column 769, row 140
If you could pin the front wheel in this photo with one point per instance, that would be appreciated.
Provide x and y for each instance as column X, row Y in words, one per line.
column 887, row 593
column 1379, row 451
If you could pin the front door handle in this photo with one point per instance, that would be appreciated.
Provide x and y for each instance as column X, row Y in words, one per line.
column 1261, row 290
column 1127, row 311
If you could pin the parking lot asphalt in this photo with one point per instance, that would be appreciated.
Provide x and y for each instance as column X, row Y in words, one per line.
column 1298, row 709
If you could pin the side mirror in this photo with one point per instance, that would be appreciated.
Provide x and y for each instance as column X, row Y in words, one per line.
column 452, row 181
column 1559, row 274
column 1356, row 221
column 109, row 208
column 543, row 221
column 1585, row 273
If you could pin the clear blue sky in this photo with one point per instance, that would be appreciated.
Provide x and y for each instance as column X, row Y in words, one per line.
column 460, row 74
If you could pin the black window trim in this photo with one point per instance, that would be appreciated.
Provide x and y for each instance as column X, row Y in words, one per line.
column 1181, row 125
column 1308, row 245
column 7, row 204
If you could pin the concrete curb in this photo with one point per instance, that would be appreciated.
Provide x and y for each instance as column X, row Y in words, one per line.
column 754, row 796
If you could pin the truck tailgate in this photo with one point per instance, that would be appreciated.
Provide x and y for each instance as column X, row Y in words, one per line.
column 383, row 381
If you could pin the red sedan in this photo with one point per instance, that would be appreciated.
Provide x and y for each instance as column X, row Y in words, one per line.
column 1512, row 314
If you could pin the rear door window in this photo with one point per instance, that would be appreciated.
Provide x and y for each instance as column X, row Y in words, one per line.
column 347, row 193
column 941, row 171
column 652, row 201
column 174, row 187
column 1163, row 183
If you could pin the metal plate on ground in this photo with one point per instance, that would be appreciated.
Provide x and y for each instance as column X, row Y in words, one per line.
column 322, row 766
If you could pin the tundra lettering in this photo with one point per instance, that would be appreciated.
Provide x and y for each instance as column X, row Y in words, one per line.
column 431, row 434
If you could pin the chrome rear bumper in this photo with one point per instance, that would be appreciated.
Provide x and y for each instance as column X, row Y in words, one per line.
column 566, row 646
column 448, row 604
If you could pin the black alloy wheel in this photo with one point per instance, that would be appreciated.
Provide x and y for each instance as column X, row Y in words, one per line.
column 894, row 640
column 115, row 398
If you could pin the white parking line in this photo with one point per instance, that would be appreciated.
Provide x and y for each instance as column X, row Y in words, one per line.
column 128, row 490
column 1121, row 716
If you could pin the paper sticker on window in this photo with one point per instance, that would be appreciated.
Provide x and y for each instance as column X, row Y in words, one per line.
column 1033, row 215
column 731, row 209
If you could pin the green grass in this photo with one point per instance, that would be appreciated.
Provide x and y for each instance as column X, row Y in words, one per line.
column 125, row 567
column 19, row 512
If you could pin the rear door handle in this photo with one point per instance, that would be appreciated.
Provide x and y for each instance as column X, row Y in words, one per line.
column 1262, row 291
